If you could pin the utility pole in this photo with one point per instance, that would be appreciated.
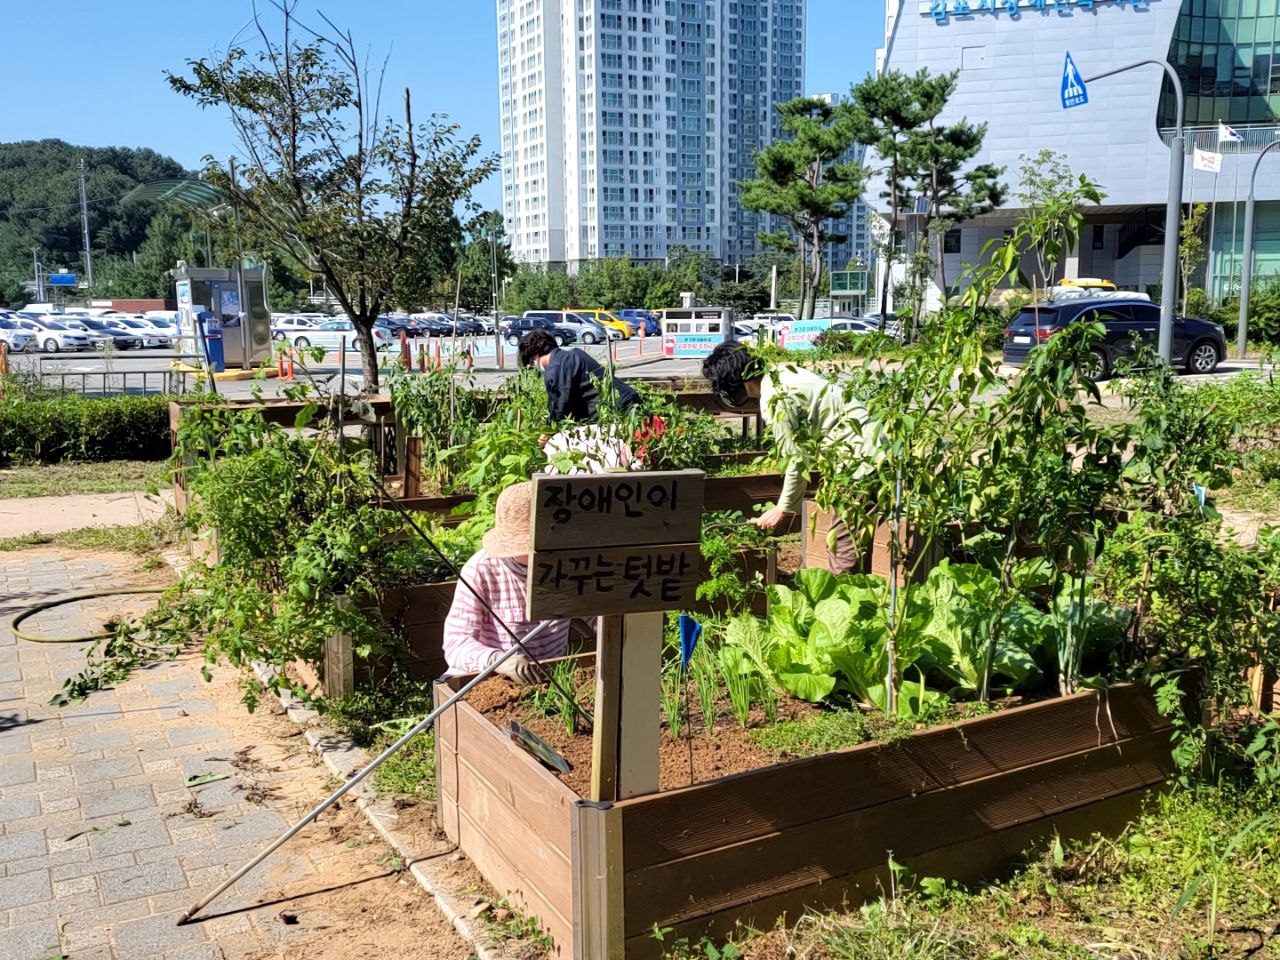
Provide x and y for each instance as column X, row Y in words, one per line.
column 35, row 267
column 84, row 224
column 242, row 308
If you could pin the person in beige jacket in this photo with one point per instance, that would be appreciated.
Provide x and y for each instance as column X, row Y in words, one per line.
column 801, row 409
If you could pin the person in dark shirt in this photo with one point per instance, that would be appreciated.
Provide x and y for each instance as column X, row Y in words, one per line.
column 572, row 378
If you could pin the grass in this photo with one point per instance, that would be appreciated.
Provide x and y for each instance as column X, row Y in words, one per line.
column 62, row 479
column 376, row 719
column 1194, row 878
column 144, row 540
column 815, row 734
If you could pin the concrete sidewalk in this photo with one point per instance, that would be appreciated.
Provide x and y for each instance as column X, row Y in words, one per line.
column 19, row 517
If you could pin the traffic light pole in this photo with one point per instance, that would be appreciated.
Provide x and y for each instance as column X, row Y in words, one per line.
column 1246, row 268
column 1173, row 207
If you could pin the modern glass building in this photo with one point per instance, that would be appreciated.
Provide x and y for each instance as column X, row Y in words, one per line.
column 1011, row 57
column 627, row 124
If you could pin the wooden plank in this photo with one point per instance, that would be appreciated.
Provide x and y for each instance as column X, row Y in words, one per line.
column 741, row 493
column 818, row 851
column 534, row 794
column 640, row 722
column 482, row 844
column 419, row 603
column 597, row 890
column 616, row 509
column 608, row 705
column 446, row 764
column 339, row 658
column 586, row 582
column 410, row 460
column 972, row 861
column 682, row 822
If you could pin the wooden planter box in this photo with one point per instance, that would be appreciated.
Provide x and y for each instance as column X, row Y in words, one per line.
column 417, row 614
column 957, row 802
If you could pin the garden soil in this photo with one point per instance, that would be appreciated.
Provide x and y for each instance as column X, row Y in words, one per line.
column 728, row 750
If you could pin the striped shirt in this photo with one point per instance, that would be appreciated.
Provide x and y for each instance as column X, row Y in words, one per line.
column 472, row 638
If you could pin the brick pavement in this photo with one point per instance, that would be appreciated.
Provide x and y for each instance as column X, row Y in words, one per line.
column 97, row 856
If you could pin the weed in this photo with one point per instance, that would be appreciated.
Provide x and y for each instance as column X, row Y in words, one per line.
column 559, row 700
column 673, row 687
column 509, row 924
column 682, row 948
column 143, row 540
column 815, row 734
column 63, row 479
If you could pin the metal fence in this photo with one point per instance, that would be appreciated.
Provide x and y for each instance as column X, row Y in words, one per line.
column 112, row 379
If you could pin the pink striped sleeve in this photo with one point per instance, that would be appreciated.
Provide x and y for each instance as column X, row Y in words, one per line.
column 465, row 633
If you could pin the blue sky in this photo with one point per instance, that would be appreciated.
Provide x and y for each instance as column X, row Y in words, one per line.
column 92, row 72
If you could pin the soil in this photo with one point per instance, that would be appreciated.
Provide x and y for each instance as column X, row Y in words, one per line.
column 727, row 750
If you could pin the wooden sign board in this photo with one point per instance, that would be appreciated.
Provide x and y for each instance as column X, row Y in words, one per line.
column 590, row 581
column 617, row 509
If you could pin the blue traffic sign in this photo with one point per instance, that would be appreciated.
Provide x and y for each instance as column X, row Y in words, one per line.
column 1074, row 92
column 61, row 279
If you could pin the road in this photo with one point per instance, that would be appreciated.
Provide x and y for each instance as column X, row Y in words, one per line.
column 151, row 371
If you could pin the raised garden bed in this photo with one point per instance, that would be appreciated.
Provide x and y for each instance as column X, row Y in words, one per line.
column 958, row 801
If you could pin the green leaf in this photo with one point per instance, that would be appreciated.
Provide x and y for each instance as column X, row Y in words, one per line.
column 199, row 779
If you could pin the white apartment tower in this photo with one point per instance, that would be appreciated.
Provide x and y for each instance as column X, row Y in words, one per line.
column 627, row 124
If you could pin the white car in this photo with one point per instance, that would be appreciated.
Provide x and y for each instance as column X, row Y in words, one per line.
column 15, row 338
column 51, row 335
column 152, row 336
column 332, row 333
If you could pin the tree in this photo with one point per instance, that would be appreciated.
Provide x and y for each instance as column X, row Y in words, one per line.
column 328, row 182
column 803, row 180
column 1191, row 247
column 937, row 155
column 888, row 111
column 481, row 258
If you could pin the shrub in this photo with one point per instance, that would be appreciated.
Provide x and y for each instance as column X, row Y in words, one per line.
column 69, row 427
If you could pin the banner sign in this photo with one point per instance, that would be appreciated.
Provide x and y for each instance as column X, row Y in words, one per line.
column 802, row 334
column 690, row 344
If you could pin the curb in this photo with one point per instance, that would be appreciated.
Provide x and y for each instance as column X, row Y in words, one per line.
column 343, row 758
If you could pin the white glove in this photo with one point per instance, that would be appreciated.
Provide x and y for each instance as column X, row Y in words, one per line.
column 520, row 669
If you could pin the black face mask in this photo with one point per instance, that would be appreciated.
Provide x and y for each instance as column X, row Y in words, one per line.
column 735, row 399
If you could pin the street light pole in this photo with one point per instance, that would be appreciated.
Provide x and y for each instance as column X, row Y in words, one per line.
column 1246, row 267
column 1173, row 206
column 35, row 267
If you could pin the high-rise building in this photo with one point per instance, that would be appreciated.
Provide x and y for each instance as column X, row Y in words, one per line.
column 628, row 124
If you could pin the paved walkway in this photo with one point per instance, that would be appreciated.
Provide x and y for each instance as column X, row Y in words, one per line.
column 22, row 516
column 102, row 844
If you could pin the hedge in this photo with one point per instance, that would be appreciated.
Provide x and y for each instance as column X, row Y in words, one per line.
column 56, row 429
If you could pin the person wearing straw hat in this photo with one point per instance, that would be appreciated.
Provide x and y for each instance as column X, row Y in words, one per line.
column 476, row 629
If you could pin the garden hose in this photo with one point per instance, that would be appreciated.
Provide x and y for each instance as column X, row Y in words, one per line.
column 74, row 598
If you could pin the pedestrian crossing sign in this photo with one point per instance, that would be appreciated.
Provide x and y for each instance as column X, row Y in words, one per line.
column 1074, row 93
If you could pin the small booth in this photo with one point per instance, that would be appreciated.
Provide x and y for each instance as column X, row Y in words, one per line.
column 210, row 302
column 695, row 331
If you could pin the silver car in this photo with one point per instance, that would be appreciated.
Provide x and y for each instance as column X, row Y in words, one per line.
column 15, row 338
column 52, row 336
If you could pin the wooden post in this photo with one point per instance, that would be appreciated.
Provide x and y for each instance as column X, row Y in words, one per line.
column 627, row 646
column 339, row 660
column 598, row 930
column 411, row 462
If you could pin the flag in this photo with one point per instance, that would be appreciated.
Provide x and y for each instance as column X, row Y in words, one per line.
column 690, row 631
column 1206, row 160
column 1228, row 135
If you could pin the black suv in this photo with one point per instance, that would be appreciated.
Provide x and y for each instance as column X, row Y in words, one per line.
column 1198, row 345
column 519, row 326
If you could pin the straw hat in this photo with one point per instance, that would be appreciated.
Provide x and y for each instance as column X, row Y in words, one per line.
column 510, row 534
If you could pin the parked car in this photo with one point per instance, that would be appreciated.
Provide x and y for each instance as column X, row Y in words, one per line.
column 15, row 337
column 469, row 326
column 52, row 336
column 519, row 326
column 641, row 318
column 333, row 333
column 606, row 319
column 104, row 332
column 151, row 335
column 1198, row 345
column 586, row 330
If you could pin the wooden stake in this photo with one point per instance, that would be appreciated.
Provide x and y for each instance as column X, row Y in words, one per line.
column 627, row 646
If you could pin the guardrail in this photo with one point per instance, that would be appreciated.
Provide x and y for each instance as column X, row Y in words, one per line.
column 111, row 380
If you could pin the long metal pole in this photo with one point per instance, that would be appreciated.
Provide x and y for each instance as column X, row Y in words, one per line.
column 1211, row 271
column 35, row 266
column 84, row 226
column 1246, row 266
column 246, row 344
column 386, row 754
column 1173, row 205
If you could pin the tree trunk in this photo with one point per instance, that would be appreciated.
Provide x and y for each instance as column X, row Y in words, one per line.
column 368, row 353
